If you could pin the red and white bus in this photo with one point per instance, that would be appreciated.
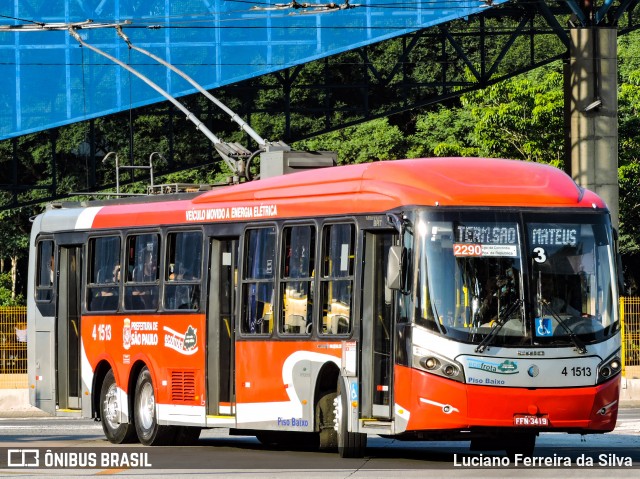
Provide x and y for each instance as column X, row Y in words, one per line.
column 427, row 299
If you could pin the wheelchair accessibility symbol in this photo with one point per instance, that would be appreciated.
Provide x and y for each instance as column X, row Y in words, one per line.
column 544, row 327
column 354, row 392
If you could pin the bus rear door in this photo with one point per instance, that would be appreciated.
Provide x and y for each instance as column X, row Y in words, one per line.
column 68, row 373
column 220, row 326
column 56, row 351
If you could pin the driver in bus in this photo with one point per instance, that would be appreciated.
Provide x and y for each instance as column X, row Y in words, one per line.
column 500, row 291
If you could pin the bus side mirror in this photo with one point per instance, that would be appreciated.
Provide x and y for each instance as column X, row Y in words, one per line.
column 619, row 268
column 394, row 268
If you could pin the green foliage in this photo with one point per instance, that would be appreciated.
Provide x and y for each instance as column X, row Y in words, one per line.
column 629, row 152
column 520, row 118
column 372, row 141
column 5, row 292
column 14, row 233
column 443, row 132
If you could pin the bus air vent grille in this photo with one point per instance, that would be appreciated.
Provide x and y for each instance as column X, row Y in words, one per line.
column 183, row 385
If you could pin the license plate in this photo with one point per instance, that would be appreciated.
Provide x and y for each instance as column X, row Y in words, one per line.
column 530, row 420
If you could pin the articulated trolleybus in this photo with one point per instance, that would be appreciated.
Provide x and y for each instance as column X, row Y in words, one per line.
column 428, row 299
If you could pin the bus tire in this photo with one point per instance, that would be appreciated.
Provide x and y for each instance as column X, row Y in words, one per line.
column 149, row 431
column 325, row 419
column 115, row 432
column 350, row 444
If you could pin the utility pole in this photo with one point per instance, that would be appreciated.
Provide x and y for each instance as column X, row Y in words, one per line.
column 593, row 105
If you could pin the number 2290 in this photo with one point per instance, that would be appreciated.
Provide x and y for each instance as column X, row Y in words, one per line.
column 460, row 249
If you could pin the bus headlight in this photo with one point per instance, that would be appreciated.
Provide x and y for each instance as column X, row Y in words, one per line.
column 429, row 363
column 437, row 364
column 609, row 367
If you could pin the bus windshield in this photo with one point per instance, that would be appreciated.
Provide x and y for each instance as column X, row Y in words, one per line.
column 536, row 281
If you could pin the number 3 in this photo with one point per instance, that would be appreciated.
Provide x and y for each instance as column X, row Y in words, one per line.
column 541, row 258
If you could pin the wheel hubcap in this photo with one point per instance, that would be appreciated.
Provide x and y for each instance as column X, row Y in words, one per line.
column 147, row 407
column 111, row 407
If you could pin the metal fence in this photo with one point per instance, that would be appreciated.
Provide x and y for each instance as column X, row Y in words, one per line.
column 13, row 347
column 630, row 319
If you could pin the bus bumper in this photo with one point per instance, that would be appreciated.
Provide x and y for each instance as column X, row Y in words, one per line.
column 436, row 403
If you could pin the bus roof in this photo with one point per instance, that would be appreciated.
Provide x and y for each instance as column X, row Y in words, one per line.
column 424, row 181
column 365, row 188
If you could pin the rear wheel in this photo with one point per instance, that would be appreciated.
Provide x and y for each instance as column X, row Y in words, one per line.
column 350, row 444
column 110, row 409
column 149, row 431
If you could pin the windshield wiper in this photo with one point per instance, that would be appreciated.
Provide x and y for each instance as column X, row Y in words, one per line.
column 503, row 318
column 577, row 342
column 441, row 327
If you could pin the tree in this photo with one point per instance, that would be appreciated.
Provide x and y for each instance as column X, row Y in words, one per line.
column 372, row 141
column 443, row 132
column 520, row 118
column 14, row 244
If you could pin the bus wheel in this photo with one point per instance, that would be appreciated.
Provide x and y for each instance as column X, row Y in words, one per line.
column 350, row 444
column 522, row 444
column 116, row 432
column 149, row 431
column 325, row 419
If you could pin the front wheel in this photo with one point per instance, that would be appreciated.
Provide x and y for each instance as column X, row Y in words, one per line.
column 110, row 408
column 149, row 431
column 350, row 444
column 325, row 419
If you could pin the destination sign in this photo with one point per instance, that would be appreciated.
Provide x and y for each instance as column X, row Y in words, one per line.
column 487, row 234
column 554, row 236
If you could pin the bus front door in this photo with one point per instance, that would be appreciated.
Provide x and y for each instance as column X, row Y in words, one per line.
column 68, row 375
column 223, row 277
column 377, row 329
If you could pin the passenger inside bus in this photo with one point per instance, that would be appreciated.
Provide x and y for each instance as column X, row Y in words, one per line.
column 143, row 297
column 181, row 296
column 51, row 270
column 106, row 299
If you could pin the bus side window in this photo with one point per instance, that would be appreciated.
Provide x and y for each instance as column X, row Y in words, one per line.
column 141, row 282
column 258, row 281
column 46, row 271
column 296, row 287
column 103, row 277
column 183, row 271
column 336, row 283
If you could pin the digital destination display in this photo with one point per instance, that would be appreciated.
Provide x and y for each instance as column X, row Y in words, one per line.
column 486, row 240
column 554, row 236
